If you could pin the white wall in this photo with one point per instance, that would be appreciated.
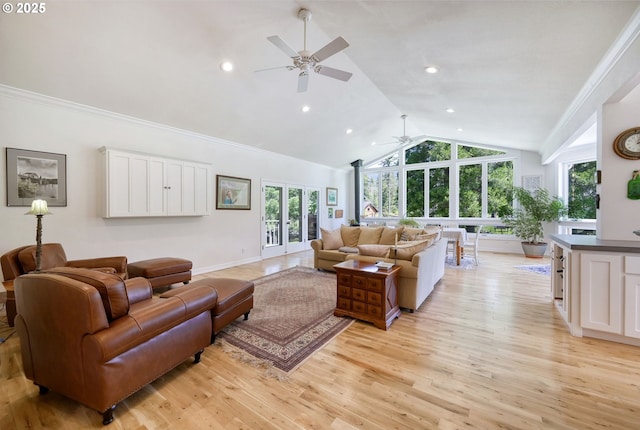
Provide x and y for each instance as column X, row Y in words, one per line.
column 33, row 122
column 618, row 215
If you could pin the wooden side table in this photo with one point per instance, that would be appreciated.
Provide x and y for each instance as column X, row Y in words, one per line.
column 10, row 306
column 367, row 292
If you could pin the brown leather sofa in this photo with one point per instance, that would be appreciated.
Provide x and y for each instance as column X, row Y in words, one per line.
column 23, row 260
column 97, row 338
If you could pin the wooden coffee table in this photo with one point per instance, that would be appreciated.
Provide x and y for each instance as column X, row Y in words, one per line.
column 367, row 292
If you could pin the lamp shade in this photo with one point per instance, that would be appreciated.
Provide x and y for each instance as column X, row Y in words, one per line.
column 38, row 207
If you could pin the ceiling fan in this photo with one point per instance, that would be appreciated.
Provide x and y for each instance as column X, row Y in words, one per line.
column 404, row 139
column 305, row 61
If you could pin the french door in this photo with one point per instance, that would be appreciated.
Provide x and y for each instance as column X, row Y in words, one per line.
column 289, row 218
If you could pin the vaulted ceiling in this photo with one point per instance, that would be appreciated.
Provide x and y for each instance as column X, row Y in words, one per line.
column 509, row 69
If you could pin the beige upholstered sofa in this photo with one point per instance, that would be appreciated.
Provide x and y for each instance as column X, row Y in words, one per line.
column 420, row 252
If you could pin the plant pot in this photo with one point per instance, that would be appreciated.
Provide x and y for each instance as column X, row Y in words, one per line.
column 534, row 250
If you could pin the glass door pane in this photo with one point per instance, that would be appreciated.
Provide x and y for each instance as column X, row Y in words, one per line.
column 313, row 201
column 272, row 237
column 295, row 224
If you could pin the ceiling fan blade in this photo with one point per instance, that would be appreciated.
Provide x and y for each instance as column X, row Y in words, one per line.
column 420, row 139
column 274, row 68
column 333, row 73
column 303, row 82
column 283, row 46
column 333, row 47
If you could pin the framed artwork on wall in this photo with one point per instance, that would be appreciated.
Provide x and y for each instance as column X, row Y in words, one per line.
column 233, row 193
column 36, row 175
column 330, row 213
column 339, row 213
column 332, row 196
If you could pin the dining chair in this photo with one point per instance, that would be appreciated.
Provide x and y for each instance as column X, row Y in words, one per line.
column 473, row 244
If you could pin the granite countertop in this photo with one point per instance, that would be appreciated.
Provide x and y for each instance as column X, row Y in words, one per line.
column 591, row 243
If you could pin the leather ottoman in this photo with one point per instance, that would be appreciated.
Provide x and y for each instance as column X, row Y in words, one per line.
column 162, row 271
column 235, row 298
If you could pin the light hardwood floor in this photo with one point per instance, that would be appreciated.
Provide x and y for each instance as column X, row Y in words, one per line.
column 486, row 350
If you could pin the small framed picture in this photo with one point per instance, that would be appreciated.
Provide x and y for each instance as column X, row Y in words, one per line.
column 36, row 175
column 339, row 213
column 233, row 193
column 332, row 196
column 330, row 213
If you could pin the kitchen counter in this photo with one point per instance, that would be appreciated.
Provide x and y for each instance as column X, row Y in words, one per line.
column 591, row 243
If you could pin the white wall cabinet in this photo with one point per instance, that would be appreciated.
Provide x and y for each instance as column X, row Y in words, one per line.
column 142, row 185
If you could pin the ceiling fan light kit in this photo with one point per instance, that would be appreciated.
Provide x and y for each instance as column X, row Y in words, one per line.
column 305, row 60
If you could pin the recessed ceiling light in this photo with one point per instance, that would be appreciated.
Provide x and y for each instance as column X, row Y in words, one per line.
column 459, row 129
column 227, row 66
column 373, row 143
column 431, row 69
column 305, row 108
column 349, row 131
column 450, row 110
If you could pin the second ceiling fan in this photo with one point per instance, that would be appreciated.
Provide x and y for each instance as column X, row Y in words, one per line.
column 306, row 61
column 404, row 139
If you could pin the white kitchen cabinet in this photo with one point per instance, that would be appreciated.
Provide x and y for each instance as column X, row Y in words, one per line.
column 143, row 185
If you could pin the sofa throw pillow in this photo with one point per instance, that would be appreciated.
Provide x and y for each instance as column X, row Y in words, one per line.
column 331, row 239
column 410, row 233
column 373, row 250
column 433, row 229
column 428, row 236
column 110, row 287
column 52, row 256
column 350, row 235
column 369, row 235
column 390, row 234
column 407, row 251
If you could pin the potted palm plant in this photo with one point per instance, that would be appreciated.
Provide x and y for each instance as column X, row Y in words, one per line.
column 535, row 207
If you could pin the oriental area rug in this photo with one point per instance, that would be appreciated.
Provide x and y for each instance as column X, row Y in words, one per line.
column 292, row 317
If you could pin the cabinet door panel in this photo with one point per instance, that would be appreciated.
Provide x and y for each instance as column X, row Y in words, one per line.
column 344, row 291
column 375, row 311
column 358, row 294
column 157, row 192
column 375, row 284
column 344, row 304
column 358, row 307
column 632, row 306
column 174, row 188
column 601, row 295
column 119, row 194
column 344, row 279
column 375, row 298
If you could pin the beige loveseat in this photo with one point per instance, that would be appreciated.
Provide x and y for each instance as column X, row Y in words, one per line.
column 420, row 252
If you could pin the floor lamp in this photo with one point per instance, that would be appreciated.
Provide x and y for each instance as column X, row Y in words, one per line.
column 39, row 209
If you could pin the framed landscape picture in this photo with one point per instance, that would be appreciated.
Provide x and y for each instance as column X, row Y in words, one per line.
column 233, row 193
column 332, row 196
column 36, row 175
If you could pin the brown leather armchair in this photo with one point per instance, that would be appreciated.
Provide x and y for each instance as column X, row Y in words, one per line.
column 97, row 338
column 23, row 260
